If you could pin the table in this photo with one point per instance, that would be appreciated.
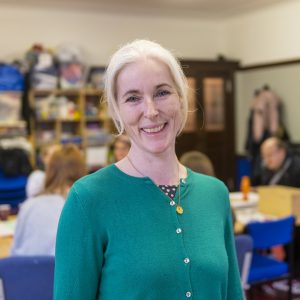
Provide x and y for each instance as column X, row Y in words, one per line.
column 5, row 245
column 279, row 201
column 246, row 211
column 7, row 229
column 268, row 203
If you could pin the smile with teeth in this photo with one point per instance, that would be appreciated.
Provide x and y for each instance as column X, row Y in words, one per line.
column 154, row 129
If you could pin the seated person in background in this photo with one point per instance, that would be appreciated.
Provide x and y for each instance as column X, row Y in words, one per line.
column 279, row 167
column 38, row 216
column 120, row 147
column 36, row 180
column 200, row 163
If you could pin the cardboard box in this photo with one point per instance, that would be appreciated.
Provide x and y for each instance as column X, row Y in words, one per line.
column 279, row 201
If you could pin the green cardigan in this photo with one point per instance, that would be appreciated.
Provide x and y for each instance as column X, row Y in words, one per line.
column 119, row 238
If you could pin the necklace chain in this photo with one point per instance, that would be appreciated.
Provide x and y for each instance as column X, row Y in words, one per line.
column 179, row 208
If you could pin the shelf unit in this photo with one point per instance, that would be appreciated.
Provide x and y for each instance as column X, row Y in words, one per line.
column 9, row 129
column 70, row 115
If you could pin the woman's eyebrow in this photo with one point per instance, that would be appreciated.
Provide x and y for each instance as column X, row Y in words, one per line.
column 133, row 91
column 130, row 92
column 162, row 85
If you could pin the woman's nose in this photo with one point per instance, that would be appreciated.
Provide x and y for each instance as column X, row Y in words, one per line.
column 150, row 109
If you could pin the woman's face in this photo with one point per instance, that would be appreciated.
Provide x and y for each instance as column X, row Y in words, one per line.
column 149, row 105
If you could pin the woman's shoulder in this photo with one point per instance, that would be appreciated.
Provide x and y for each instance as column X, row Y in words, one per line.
column 95, row 186
column 209, row 181
column 93, row 195
column 35, row 183
column 208, row 185
column 215, row 192
column 42, row 200
column 38, row 205
column 36, row 173
column 97, row 179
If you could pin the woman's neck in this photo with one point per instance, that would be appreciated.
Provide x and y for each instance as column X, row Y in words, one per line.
column 161, row 169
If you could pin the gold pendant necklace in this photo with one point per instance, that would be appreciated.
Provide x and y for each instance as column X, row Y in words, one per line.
column 179, row 208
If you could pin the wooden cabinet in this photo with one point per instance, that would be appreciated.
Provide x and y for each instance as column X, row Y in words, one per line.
column 69, row 116
column 211, row 126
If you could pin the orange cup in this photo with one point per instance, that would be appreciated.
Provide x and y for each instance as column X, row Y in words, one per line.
column 245, row 187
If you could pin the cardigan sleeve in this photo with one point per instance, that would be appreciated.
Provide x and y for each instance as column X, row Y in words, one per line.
column 234, row 288
column 79, row 255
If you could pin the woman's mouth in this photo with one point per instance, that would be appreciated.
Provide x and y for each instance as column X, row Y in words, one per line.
column 155, row 129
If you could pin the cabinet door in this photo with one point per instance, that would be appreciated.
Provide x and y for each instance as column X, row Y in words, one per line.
column 219, row 125
column 211, row 129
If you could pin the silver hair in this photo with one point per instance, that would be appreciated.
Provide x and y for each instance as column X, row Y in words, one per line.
column 131, row 53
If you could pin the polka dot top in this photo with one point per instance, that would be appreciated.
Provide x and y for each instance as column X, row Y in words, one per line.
column 169, row 190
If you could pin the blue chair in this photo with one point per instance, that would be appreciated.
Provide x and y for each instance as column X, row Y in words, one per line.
column 244, row 248
column 264, row 267
column 27, row 277
column 12, row 189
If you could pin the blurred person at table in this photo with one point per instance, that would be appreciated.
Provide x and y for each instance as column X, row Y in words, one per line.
column 198, row 162
column 38, row 217
column 36, row 180
column 279, row 167
column 146, row 227
column 120, row 147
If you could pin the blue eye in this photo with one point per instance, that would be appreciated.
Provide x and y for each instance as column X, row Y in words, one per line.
column 132, row 99
column 163, row 93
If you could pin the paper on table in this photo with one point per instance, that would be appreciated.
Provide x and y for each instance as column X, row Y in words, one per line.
column 245, row 218
column 236, row 200
column 7, row 228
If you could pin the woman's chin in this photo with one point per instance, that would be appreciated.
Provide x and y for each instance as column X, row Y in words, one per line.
column 158, row 147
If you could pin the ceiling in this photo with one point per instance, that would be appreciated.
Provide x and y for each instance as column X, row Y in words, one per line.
column 184, row 8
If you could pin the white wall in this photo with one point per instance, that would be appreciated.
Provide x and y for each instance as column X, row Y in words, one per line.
column 262, row 36
column 267, row 35
column 100, row 34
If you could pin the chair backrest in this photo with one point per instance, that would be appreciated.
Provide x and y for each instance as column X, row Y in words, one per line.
column 27, row 277
column 244, row 248
column 12, row 189
column 271, row 233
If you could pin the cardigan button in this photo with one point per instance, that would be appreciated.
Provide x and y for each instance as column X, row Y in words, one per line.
column 178, row 230
column 172, row 203
column 188, row 294
column 186, row 260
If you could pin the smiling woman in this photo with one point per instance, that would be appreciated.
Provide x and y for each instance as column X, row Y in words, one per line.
column 149, row 106
column 138, row 51
column 147, row 227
